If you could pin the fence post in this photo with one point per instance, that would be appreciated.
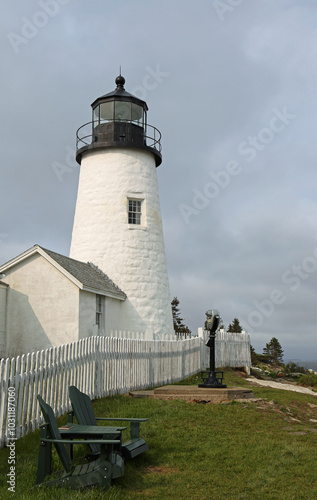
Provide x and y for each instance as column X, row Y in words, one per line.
column 183, row 360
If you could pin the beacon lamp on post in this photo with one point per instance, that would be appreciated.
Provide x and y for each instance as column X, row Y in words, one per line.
column 212, row 380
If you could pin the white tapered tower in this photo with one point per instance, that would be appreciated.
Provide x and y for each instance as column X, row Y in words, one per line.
column 117, row 224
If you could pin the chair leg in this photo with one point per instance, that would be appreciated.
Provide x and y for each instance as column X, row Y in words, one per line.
column 45, row 457
column 99, row 477
column 135, row 430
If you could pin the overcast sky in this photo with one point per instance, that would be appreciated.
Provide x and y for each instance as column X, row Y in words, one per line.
column 231, row 84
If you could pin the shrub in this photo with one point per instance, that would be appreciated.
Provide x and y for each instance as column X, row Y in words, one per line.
column 263, row 358
column 294, row 368
column 309, row 379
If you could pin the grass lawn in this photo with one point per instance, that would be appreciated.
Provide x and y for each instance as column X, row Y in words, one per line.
column 260, row 450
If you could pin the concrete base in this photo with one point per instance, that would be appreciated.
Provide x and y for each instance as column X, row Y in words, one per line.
column 195, row 393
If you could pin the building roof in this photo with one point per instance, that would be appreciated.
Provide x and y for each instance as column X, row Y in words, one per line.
column 88, row 274
column 120, row 94
column 85, row 275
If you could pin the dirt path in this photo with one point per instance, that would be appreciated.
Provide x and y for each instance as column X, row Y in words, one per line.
column 281, row 385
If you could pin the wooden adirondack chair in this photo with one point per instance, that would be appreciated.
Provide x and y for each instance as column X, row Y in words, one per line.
column 84, row 413
column 99, row 472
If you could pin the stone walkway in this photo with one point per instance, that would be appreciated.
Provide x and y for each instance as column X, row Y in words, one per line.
column 281, row 385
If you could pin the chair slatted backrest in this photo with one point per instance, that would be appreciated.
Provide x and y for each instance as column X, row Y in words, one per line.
column 54, row 433
column 83, row 411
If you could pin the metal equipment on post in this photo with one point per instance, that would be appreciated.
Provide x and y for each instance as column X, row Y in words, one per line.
column 213, row 379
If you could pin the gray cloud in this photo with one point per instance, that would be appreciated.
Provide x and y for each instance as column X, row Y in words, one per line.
column 224, row 80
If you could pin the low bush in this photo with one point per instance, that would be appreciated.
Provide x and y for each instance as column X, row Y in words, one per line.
column 263, row 358
column 294, row 368
column 309, row 379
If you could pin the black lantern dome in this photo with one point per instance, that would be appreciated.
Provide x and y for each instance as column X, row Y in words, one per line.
column 119, row 119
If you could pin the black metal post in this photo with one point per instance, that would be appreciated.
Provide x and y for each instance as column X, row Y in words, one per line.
column 213, row 379
column 212, row 352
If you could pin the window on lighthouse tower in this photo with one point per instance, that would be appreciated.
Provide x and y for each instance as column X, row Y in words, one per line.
column 134, row 211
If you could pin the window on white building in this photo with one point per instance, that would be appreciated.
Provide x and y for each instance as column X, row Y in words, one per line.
column 99, row 308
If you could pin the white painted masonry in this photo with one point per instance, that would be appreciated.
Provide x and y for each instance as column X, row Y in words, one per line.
column 132, row 256
column 43, row 305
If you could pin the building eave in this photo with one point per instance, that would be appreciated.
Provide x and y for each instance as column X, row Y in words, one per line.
column 36, row 249
column 101, row 292
column 19, row 258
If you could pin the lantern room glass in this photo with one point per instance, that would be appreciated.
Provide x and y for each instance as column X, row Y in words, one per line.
column 95, row 116
column 137, row 114
column 106, row 111
column 122, row 111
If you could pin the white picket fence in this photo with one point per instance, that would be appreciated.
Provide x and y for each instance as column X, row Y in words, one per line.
column 103, row 366
column 124, row 334
column 98, row 366
column 231, row 349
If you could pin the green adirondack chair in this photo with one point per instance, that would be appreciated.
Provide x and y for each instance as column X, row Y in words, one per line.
column 84, row 413
column 99, row 472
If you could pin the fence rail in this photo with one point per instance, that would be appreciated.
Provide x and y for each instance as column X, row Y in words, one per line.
column 101, row 366
column 124, row 334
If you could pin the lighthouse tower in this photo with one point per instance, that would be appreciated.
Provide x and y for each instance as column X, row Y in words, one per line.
column 117, row 224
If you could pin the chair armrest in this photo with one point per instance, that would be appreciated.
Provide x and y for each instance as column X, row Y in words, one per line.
column 83, row 441
column 124, row 419
column 134, row 425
